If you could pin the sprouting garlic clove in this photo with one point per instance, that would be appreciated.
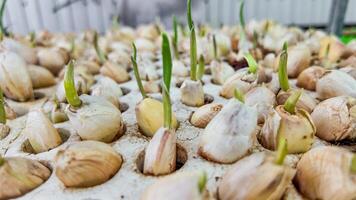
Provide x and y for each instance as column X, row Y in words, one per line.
column 334, row 120
column 307, row 78
column 27, row 53
column 161, row 152
column 15, row 80
column 4, row 131
column 203, row 115
column 109, row 89
column 93, row 67
column 220, row 72
column 86, row 164
column 115, row 72
column 21, row 175
column 298, row 129
column 148, row 71
column 192, row 93
column 40, row 132
column 120, row 57
column 263, row 99
column 324, row 173
column 335, row 83
column 97, row 119
column 40, row 77
column 336, row 50
column 257, row 177
column 10, row 113
column 143, row 45
column 80, row 86
column 268, row 61
column 179, row 69
column 151, row 87
column 55, row 111
column 149, row 32
column 54, row 59
column 149, row 116
column 230, row 134
column 305, row 102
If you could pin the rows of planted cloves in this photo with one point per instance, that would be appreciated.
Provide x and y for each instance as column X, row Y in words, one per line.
column 278, row 93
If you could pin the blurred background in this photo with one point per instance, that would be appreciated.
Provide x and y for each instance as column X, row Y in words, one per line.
column 23, row 16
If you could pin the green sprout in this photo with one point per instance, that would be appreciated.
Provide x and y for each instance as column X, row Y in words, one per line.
column 33, row 39
column 69, row 86
column 167, row 75
column 291, row 102
column 3, row 31
column 72, row 46
column 189, row 15
column 282, row 70
column 175, row 37
column 255, row 39
column 193, row 44
column 282, row 151
column 201, row 67
column 239, row 95
column 327, row 50
column 203, row 179
column 285, row 46
column 215, row 48
column 2, row 108
column 242, row 18
column 101, row 55
column 116, row 22
column 136, row 72
column 252, row 64
column 353, row 164
column 2, row 160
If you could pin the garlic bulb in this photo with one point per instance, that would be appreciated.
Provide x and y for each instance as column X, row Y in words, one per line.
column 256, row 177
column 220, row 72
column 263, row 99
column 191, row 186
column 87, row 163
column 15, row 80
column 298, row 129
column 40, row 132
column 108, row 89
column 179, row 69
column 335, row 118
column 324, row 173
column 27, row 53
column 149, row 116
column 305, row 102
column 115, row 72
column 230, row 134
column 21, row 175
column 96, row 119
column 242, row 80
column 151, row 87
column 203, row 115
column 307, row 79
column 161, row 152
column 335, row 83
column 54, row 59
column 192, row 93
column 40, row 77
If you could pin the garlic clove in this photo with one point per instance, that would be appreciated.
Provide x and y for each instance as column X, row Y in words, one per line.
column 160, row 154
column 220, row 72
column 305, row 102
column 148, row 71
column 241, row 80
column 307, row 78
column 120, row 57
column 335, row 83
column 151, row 87
column 27, row 53
column 54, row 59
column 115, row 72
column 108, row 89
column 192, row 93
column 10, row 113
column 149, row 116
column 179, row 69
column 143, row 44
column 91, row 66
column 40, row 77
column 80, row 85
column 350, row 71
column 336, row 50
column 86, row 164
column 203, row 115
column 230, row 134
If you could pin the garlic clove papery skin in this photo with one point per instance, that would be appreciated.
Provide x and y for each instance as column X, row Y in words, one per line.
column 179, row 69
column 54, row 59
column 40, row 77
column 263, row 99
column 192, row 93
column 86, row 164
column 96, row 119
column 335, row 83
column 334, row 119
column 230, row 134
column 21, row 175
column 166, row 188
column 40, row 132
column 4, row 131
column 109, row 89
column 149, row 116
column 324, row 173
column 115, row 71
column 15, row 80
column 27, row 53
column 305, row 101
column 257, row 178
column 204, row 114
column 161, row 152
column 298, row 129
column 307, row 78
column 220, row 72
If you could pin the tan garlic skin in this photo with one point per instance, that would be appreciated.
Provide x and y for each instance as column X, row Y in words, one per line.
column 4, row 131
column 161, row 153
column 54, row 59
column 27, row 53
column 241, row 80
column 204, row 114
column 109, row 89
column 40, row 77
column 151, row 87
column 149, row 116
column 40, row 132
column 335, row 83
column 179, row 69
column 298, row 129
column 230, row 134
column 263, row 99
column 324, row 173
column 86, row 164
column 307, row 78
column 255, row 177
column 335, row 119
column 21, row 175
column 192, row 93
column 15, row 80
column 96, row 119
column 166, row 188
column 115, row 72
column 305, row 101
column 220, row 72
